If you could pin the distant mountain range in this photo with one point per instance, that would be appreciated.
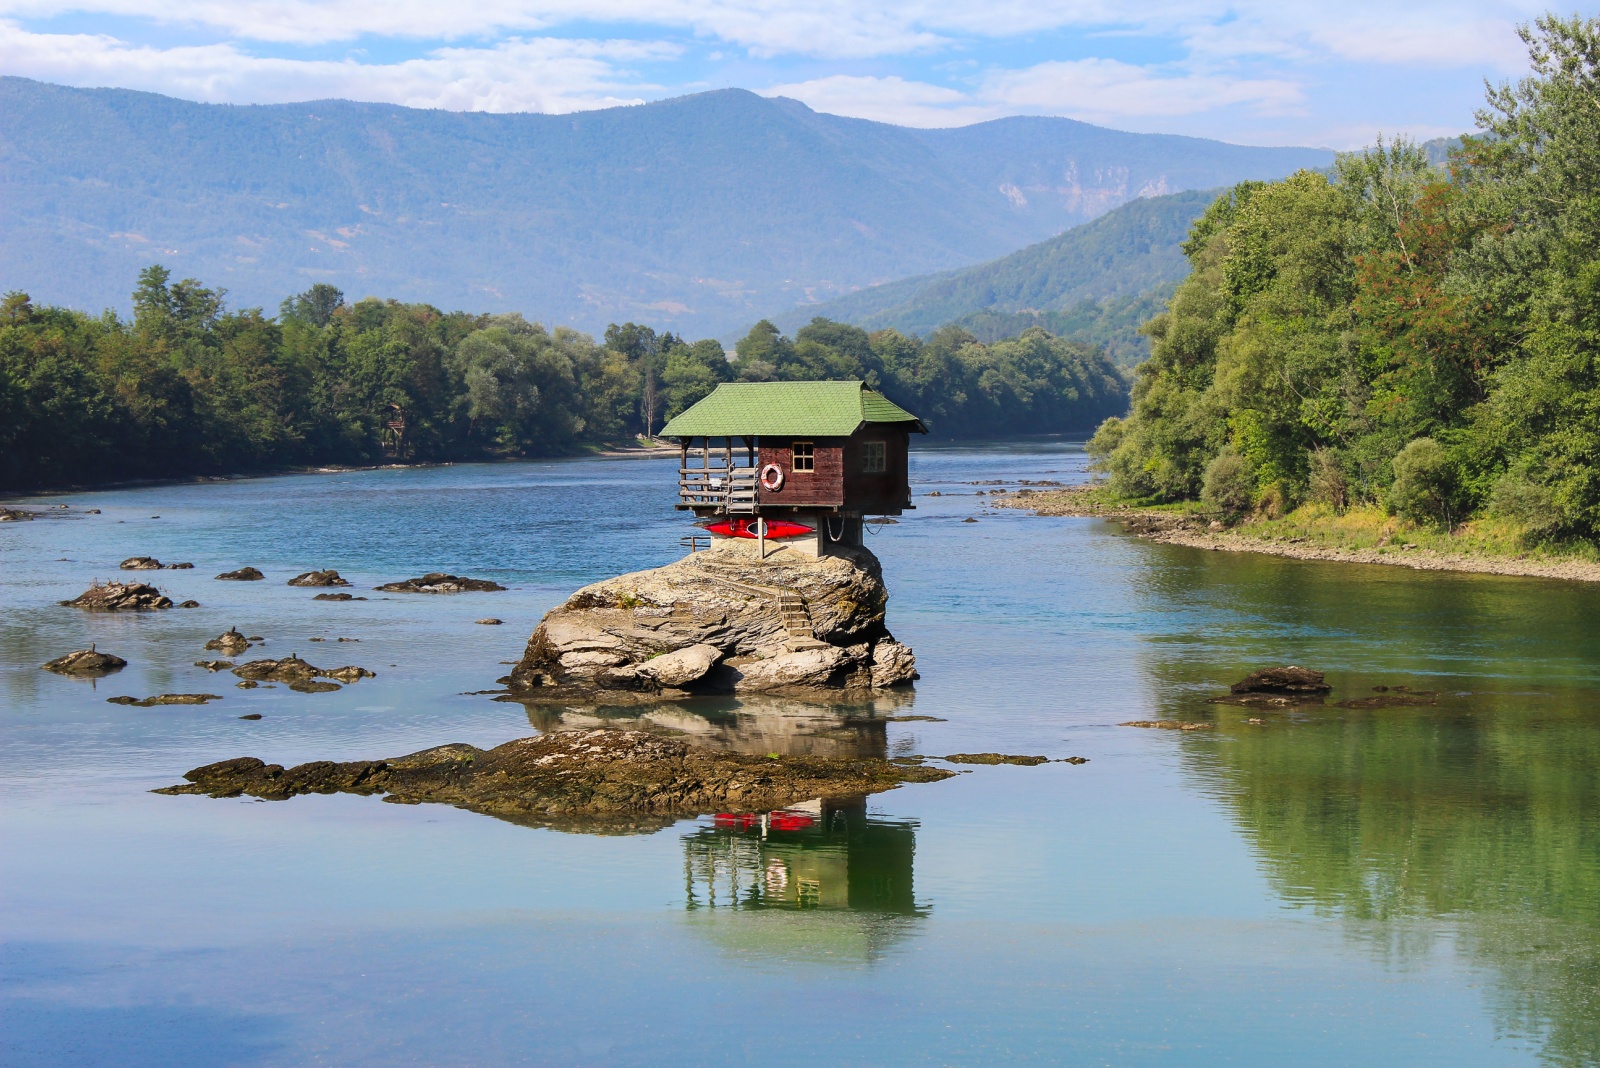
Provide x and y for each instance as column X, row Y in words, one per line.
column 1096, row 282
column 697, row 214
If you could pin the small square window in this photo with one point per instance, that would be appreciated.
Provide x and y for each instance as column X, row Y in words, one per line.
column 872, row 457
column 804, row 458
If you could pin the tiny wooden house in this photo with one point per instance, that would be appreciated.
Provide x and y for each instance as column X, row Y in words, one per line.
column 797, row 462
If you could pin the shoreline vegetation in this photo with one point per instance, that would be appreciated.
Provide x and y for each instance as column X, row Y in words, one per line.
column 1396, row 351
column 1313, row 532
column 189, row 387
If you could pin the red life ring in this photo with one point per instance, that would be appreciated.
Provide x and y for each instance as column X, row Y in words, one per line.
column 772, row 477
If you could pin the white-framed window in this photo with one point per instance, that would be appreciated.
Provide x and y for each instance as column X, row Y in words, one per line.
column 873, row 461
column 803, row 457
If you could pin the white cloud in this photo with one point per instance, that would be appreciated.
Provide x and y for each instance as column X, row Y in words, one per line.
column 539, row 74
column 891, row 99
column 1459, row 32
column 1098, row 90
column 1094, row 90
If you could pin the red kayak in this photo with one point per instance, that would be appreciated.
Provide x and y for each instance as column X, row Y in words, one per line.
column 749, row 528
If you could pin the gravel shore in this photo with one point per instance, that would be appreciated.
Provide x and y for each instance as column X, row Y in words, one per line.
column 1183, row 530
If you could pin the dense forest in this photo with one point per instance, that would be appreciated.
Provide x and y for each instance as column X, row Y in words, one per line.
column 1399, row 334
column 190, row 387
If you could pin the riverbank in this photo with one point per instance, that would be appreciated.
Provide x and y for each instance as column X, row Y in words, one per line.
column 1360, row 536
column 602, row 451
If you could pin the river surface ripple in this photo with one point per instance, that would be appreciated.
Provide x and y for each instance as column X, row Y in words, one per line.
column 1416, row 885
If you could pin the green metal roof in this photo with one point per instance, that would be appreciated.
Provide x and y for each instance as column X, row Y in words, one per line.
column 781, row 409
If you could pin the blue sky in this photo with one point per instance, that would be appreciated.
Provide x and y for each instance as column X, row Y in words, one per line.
column 1249, row 71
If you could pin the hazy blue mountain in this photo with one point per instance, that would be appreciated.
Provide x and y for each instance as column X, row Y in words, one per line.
column 696, row 214
column 1095, row 282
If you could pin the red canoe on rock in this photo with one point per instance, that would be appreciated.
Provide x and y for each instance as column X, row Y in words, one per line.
column 748, row 528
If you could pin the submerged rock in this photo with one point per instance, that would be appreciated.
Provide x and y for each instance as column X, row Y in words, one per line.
column 337, row 597
column 1170, row 724
column 491, row 622
column 86, row 662
column 590, row 772
column 319, row 578
column 214, row 665
column 997, row 758
column 719, row 621
column 120, row 597
column 1391, row 700
column 140, row 563
column 244, row 574
column 166, row 699
column 439, row 582
column 232, row 643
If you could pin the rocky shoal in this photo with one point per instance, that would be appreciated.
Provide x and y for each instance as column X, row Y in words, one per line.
column 610, row 773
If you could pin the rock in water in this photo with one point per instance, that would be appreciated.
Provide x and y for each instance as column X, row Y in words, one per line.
column 1282, row 680
column 120, row 597
column 232, row 643
column 166, row 699
column 567, row 774
column 439, row 582
column 300, row 676
column 86, row 662
column 244, row 574
column 719, row 621
column 140, row 563
column 998, row 758
column 318, row 578
column 1280, row 686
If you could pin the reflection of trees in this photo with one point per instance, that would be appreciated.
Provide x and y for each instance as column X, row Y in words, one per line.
column 1483, row 812
column 842, row 882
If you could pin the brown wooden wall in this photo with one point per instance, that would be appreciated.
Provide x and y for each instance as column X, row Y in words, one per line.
column 822, row 487
column 838, row 481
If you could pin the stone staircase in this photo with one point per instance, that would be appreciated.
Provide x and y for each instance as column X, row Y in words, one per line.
column 797, row 621
column 792, row 610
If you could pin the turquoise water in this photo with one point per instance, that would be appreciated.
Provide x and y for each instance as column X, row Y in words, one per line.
column 1414, row 885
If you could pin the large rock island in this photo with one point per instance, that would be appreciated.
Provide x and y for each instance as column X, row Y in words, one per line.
column 720, row 621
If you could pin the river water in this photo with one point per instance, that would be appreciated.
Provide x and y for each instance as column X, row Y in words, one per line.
column 1332, row 886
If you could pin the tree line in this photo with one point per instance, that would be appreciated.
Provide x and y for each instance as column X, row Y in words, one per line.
column 188, row 386
column 1398, row 334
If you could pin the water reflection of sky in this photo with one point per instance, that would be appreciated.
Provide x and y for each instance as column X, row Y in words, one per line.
column 1410, row 886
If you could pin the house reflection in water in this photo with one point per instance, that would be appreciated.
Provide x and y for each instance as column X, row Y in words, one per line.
column 818, row 855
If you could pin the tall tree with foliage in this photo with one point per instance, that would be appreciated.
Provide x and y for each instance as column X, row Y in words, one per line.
column 1332, row 326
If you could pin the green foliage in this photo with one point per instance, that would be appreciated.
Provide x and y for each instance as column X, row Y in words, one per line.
column 1424, row 483
column 1399, row 333
column 1229, row 484
column 190, row 387
column 1034, row 383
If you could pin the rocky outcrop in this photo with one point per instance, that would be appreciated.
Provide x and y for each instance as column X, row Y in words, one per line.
column 1282, row 680
column 166, row 699
column 719, row 621
column 569, row 773
column 1277, row 686
column 300, row 675
column 244, row 574
column 232, row 643
column 439, row 582
column 319, row 578
column 120, row 597
column 140, row 563
column 86, row 662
